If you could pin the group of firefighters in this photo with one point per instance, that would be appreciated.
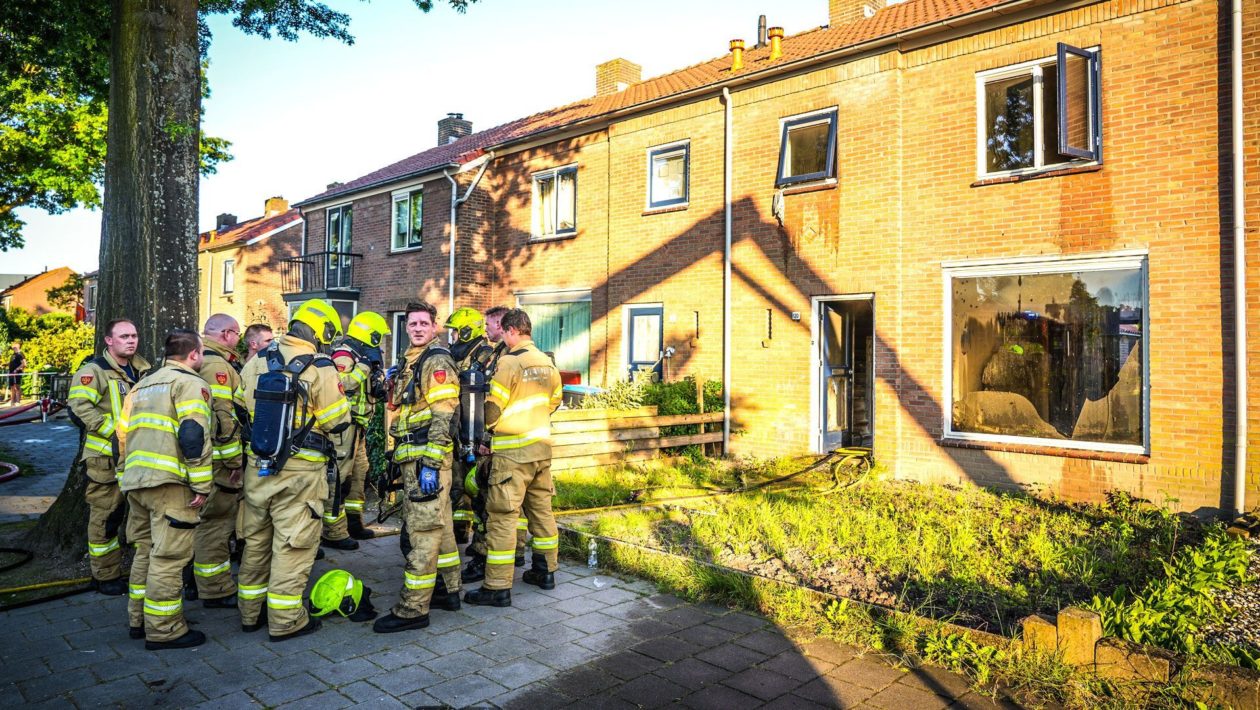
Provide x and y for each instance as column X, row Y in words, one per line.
column 274, row 452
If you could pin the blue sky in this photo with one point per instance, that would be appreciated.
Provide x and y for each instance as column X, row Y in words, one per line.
column 301, row 115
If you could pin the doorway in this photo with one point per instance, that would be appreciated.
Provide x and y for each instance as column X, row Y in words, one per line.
column 844, row 371
column 645, row 339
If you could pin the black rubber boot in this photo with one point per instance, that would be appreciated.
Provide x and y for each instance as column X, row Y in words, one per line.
column 260, row 624
column 228, row 602
column 474, row 571
column 312, row 625
column 190, row 585
column 461, row 532
column 390, row 623
column 354, row 523
column 135, row 632
column 538, row 575
column 443, row 598
column 342, row 544
column 188, row 640
column 489, row 597
column 112, row 587
column 520, row 559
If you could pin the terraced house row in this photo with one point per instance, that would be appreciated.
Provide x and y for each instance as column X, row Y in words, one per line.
column 991, row 239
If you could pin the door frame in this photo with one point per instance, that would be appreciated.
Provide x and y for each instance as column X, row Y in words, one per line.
column 626, row 312
column 816, row 443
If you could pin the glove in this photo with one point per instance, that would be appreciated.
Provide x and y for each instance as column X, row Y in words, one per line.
column 428, row 480
column 391, row 373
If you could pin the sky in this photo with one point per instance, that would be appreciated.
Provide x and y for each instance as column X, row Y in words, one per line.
column 305, row 114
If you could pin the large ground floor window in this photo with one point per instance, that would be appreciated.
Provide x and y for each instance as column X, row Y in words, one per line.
column 1048, row 351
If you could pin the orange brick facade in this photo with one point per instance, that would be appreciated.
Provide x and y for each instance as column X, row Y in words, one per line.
column 256, row 295
column 906, row 201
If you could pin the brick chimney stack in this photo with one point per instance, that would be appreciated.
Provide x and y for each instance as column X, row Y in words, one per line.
column 274, row 206
column 845, row 11
column 616, row 75
column 452, row 128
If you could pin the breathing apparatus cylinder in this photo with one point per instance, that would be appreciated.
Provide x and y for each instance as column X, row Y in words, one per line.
column 473, row 386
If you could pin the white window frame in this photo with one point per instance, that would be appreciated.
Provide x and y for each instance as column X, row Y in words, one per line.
column 668, row 150
column 535, row 208
column 404, row 196
column 399, row 326
column 831, row 115
column 626, row 310
column 229, row 276
column 1033, row 68
column 1026, row 266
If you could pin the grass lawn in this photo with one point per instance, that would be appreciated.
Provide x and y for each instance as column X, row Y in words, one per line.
column 974, row 557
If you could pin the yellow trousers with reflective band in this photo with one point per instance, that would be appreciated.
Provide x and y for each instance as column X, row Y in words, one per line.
column 335, row 527
column 516, row 488
column 104, row 519
column 426, row 523
column 162, row 527
column 282, row 521
column 357, row 473
column 211, row 567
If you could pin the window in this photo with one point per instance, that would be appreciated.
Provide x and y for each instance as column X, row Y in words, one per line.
column 1049, row 352
column 668, row 168
column 229, row 275
column 401, row 341
column 91, row 297
column 1041, row 114
column 337, row 268
column 555, row 203
column 408, row 220
column 808, row 148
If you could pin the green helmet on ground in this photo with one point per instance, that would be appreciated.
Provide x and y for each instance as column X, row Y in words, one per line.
column 337, row 590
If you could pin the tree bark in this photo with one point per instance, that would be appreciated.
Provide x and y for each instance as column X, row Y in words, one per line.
column 149, row 225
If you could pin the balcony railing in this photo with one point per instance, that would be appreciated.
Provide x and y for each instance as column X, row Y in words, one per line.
column 321, row 271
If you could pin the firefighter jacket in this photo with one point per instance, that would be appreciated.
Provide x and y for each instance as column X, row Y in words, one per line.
column 96, row 400
column 525, row 390
column 426, row 403
column 324, row 400
column 221, row 371
column 355, row 375
column 166, row 430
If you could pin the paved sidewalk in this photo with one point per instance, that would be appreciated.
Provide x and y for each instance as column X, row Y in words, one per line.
column 49, row 449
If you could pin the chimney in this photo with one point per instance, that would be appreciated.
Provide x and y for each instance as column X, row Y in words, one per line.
column 333, row 186
column 737, row 54
column 845, row 11
column 761, row 32
column 274, row 206
column 616, row 75
column 452, row 128
column 776, row 43
column 224, row 221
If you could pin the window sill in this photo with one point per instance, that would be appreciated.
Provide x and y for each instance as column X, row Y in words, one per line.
column 665, row 209
column 408, row 250
column 1053, row 172
column 801, row 189
column 552, row 238
column 1039, row 450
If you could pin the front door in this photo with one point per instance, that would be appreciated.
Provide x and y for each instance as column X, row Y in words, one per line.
column 646, row 339
column 845, row 372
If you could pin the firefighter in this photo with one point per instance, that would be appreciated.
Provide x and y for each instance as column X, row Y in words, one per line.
column 294, row 400
column 220, row 368
column 96, row 400
column 525, row 390
column 165, row 434
column 425, row 397
column 360, row 366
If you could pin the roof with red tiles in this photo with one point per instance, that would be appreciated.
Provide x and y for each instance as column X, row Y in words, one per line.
column 884, row 24
column 244, row 231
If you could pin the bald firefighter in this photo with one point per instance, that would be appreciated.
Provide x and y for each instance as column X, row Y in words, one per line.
column 524, row 392
column 360, row 366
column 220, row 369
column 425, row 397
column 96, row 400
column 165, row 435
column 294, row 399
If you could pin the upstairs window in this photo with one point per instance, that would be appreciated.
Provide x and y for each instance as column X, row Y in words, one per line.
column 229, row 276
column 1039, row 115
column 807, row 148
column 668, row 168
column 408, row 220
column 555, row 203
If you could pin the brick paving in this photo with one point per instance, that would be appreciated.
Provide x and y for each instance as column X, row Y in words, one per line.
column 49, row 449
column 594, row 641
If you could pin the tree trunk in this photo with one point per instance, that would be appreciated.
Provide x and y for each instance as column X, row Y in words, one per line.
column 149, row 226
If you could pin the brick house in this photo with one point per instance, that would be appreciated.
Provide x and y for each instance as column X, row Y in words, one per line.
column 91, row 287
column 992, row 239
column 241, row 266
column 31, row 294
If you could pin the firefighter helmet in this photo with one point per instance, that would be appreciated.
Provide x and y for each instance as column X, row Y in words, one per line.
column 338, row 591
column 368, row 328
column 321, row 318
column 467, row 324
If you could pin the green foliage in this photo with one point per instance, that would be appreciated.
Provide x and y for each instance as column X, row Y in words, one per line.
column 67, row 295
column 961, row 654
column 376, row 442
column 51, row 342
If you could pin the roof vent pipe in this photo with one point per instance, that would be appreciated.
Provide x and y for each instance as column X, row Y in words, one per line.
column 776, row 43
column 761, row 32
column 737, row 54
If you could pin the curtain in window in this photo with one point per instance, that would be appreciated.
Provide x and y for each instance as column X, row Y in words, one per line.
column 564, row 329
column 566, row 195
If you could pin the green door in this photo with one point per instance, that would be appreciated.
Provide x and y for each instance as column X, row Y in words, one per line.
column 564, row 329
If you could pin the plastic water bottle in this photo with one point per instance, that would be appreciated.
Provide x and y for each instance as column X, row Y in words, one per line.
column 592, row 559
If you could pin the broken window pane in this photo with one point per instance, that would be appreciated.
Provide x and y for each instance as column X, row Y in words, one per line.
column 807, row 149
column 545, row 187
column 1050, row 356
column 1009, row 124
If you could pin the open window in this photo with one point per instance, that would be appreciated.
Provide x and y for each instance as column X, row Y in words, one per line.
column 408, row 220
column 807, row 148
column 1039, row 115
column 555, row 203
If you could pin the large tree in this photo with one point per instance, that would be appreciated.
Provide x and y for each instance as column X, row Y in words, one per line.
column 144, row 57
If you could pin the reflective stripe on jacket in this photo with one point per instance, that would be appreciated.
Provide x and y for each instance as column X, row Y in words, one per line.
column 96, row 399
column 423, row 428
column 222, row 378
column 526, row 388
column 149, row 431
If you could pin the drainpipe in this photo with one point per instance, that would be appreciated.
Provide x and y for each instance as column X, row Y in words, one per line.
column 726, row 277
column 1240, row 271
column 455, row 203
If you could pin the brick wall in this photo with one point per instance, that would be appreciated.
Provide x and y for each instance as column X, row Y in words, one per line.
column 256, row 296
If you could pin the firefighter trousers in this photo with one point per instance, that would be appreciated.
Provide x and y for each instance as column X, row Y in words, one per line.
column 516, row 487
column 163, row 529
column 211, row 566
column 335, row 526
column 105, row 517
column 282, row 522
column 355, row 471
column 427, row 523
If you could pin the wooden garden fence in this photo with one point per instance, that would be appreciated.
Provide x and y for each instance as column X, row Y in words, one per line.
column 587, row 438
